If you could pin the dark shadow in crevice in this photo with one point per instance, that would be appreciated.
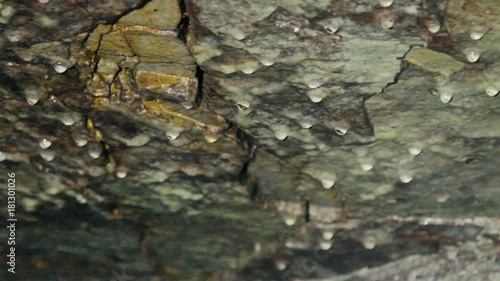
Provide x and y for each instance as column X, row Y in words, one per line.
column 184, row 23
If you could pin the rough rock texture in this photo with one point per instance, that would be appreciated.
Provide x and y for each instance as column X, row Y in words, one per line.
column 283, row 140
column 391, row 113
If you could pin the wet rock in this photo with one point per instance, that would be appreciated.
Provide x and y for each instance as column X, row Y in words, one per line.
column 151, row 57
column 434, row 61
column 157, row 14
column 330, row 140
column 319, row 78
column 324, row 153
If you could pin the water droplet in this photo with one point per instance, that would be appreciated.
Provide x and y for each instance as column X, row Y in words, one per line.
column 248, row 70
column 327, row 234
column 369, row 242
column 111, row 167
column 491, row 91
column 472, row 55
column 44, row 143
column 67, row 119
column 187, row 104
column 95, row 150
column 385, row 3
column 441, row 198
column 405, row 178
column 211, row 138
column 414, row 150
column 236, row 33
column 12, row 36
column 60, row 68
column 121, row 172
column 48, row 155
column 387, row 23
column 281, row 131
column 173, row 133
column 331, row 26
column 325, row 244
column 32, row 96
column 307, row 122
column 257, row 247
column 266, row 61
column 289, row 219
column 366, row 166
column 328, row 180
column 80, row 140
column 341, row 129
column 280, row 264
column 7, row 12
column 316, row 96
column 44, row 1
column 433, row 26
column 243, row 104
column 478, row 32
column 445, row 97
column 314, row 83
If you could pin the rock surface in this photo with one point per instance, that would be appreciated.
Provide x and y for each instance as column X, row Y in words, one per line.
column 283, row 140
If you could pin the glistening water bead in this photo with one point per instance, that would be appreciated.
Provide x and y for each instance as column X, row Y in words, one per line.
column 44, row 143
column 306, row 122
column 328, row 180
column 48, row 155
column 289, row 219
column 67, row 119
column 478, row 32
column 60, row 68
column 433, row 26
column 173, row 133
column 281, row 131
column 491, row 91
column 332, row 25
column 405, row 178
column 414, row 150
column 32, row 96
column 341, row 130
column 385, row 3
column 445, row 97
column 472, row 55
column 121, row 172
column 243, row 104
column 325, row 244
column 327, row 234
column 95, row 150
column 315, row 96
column 211, row 138
column 80, row 140
column 366, row 166
column 313, row 84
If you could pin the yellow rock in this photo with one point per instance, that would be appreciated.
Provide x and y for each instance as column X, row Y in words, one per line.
column 158, row 48
column 157, row 14
column 115, row 44
column 93, row 41
column 168, row 80
column 434, row 61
